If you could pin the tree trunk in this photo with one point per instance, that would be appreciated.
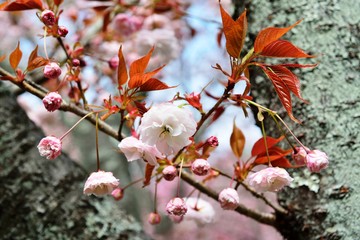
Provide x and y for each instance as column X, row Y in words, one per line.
column 331, row 30
column 42, row 199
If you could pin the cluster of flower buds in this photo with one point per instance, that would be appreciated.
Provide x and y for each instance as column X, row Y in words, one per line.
column 50, row 20
column 315, row 160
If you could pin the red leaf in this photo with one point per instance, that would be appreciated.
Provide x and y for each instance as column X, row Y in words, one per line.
column 296, row 65
column 139, row 65
column 269, row 35
column 153, row 84
column 289, row 78
column 122, row 74
column 283, row 49
column 235, row 32
column 19, row 5
column 259, row 146
column 58, row 2
column 283, row 163
column 35, row 61
column 148, row 172
column 15, row 57
column 237, row 141
column 139, row 79
column 282, row 91
column 2, row 57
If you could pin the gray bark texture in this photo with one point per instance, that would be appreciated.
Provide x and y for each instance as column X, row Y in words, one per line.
column 42, row 199
column 325, row 205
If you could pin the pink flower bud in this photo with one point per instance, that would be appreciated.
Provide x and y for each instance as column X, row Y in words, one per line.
column 299, row 155
column 113, row 62
column 100, row 183
column 52, row 101
column 48, row 17
column 229, row 199
column 269, row 179
column 200, row 167
column 169, row 173
column 52, row 70
column 50, row 147
column 177, row 207
column 154, row 218
column 76, row 62
column 62, row 31
column 213, row 141
column 316, row 160
column 117, row 193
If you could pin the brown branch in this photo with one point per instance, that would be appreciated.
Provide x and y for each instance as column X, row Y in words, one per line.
column 266, row 218
column 253, row 192
column 40, row 92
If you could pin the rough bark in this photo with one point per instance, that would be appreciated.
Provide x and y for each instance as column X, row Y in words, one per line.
column 331, row 122
column 42, row 199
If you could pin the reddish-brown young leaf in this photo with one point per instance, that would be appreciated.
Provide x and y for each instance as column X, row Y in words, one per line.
column 148, row 172
column 2, row 57
column 15, row 57
column 282, row 163
column 36, row 63
column 19, row 5
column 284, row 49
column 282, row 91
column 275, row 153
column 234, row 31
column 269, row 35
column 289, row 78
column 58, row 2
column 296, row 65
column 259, row 146
column 218, row 112
column 237, row 141
column 139, row 65
column 122, row 73
column 138, row 79
column 153, row 84
column 33, row 54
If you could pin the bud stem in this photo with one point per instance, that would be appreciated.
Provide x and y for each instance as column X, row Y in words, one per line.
column 68, row 131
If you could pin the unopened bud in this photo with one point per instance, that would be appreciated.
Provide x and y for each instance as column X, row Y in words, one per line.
column 154, row 218
column 316, row 160
column 76, row 62
column 213, row 141
column 52, row 70
column 48, row 17
column 113, row 62
column 200, row 167
column 117, row 193
column 62, row 31
column 229, row 199
column 169, row 173
column 52, row 101
column 299, row 155
column 177, row 207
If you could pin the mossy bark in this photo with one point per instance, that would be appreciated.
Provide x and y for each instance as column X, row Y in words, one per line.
column 42, row 199
column 331, row 30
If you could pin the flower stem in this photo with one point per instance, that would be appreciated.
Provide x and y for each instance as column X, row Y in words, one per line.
column 97, row 141
column 180, row 171
column 68, row 131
